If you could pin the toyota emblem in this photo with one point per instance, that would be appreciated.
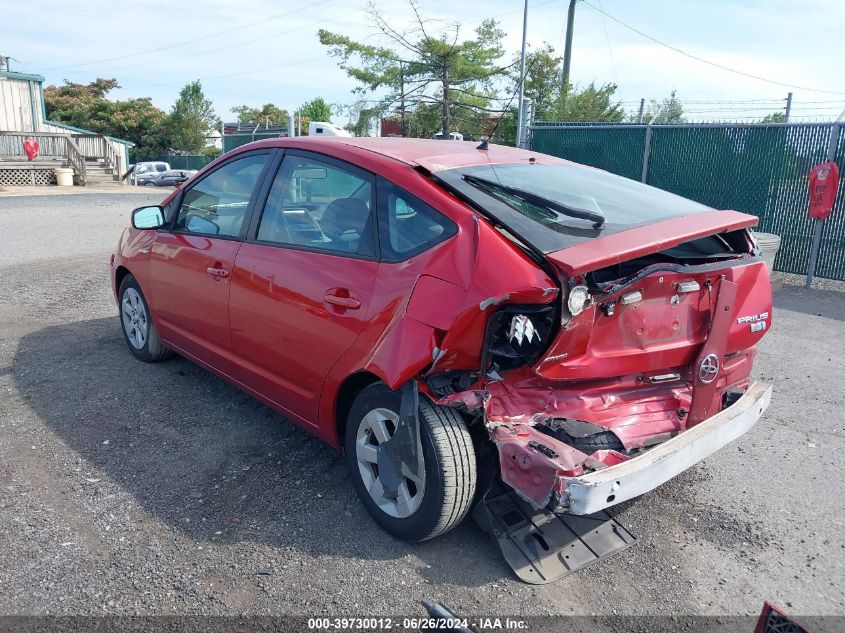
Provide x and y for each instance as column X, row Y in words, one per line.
column 709, row 369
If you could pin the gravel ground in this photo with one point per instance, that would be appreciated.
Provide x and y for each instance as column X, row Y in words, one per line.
column 128, row 488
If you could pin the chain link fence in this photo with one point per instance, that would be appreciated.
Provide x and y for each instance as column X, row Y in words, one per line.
column 759, row 169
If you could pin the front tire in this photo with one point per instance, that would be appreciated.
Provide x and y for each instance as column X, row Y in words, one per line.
column 137, row 325
column 426, row 506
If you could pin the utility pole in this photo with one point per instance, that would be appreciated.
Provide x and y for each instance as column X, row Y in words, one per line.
column 402, row 131
column 788, row 108
column 519, row 113
column 642, row 110
column 567, row 50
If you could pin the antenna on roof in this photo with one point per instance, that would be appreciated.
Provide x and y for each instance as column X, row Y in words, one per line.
column 485, row 143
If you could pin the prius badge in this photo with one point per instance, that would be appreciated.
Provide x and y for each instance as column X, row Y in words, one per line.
column 757, row 321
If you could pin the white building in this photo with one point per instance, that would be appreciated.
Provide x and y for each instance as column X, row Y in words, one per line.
column 23, row 113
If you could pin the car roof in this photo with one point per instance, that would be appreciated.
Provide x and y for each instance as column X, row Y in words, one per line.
column 430, row 154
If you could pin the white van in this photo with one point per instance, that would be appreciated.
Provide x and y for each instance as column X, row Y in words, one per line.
column 452, row 136
column 145, row 167
column 321, row 128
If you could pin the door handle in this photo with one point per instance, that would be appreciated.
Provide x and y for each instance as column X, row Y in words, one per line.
column 350, row 303
column 217, row 272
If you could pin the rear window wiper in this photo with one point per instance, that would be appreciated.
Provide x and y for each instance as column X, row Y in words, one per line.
column 596, row 217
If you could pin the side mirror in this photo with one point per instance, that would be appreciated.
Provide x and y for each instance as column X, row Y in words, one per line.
column 148, row 218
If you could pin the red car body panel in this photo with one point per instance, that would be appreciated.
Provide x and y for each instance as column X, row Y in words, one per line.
column 275, row 328
column 280, row 314
column 191, row 305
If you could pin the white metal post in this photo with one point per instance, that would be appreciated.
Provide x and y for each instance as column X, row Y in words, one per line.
column 519, row 120
column 646, row 153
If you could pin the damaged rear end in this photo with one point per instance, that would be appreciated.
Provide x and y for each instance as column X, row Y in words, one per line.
column 639, row 366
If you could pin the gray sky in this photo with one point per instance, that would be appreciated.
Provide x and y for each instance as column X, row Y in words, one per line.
column 258, row 51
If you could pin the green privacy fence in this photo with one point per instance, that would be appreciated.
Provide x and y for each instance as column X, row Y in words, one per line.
column 759, row 169
column 231, row 141
column 186, row 161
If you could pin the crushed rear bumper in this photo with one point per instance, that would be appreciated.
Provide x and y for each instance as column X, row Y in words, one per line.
column 601, row 489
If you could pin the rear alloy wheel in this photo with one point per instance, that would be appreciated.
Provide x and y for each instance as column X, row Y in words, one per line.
column 137, row 324
column 408, row 505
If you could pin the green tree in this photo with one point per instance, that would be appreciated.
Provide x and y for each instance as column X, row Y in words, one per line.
column 86, row 106
column 78, row 104
column 542, row 81
column 774, row 117
column 593, row 103
column 542, row 85
column 421, row 67
column 668, row 111
column 266, row 114
column 192, row 118
column 316, row 110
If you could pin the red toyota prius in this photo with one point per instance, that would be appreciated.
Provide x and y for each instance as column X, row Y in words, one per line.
column 458, row 317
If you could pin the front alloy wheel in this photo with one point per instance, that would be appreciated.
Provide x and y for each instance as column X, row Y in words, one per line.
column 136, row 324
column 138, row 327
column 413, row 504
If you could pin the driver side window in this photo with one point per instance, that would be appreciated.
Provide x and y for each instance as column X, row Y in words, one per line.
column 218, row 203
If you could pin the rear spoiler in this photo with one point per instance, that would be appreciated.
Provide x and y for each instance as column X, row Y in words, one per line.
column 644, row 240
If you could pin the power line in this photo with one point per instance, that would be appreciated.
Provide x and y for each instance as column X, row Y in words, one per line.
column 217, row 49
column 197, row 39
column 833, row 108
column 609, row 49
column 501, row 15
column 707, row 61
column 718, row 102
column 259, row 70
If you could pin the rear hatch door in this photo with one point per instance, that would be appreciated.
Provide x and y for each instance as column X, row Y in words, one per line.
column 649, row 310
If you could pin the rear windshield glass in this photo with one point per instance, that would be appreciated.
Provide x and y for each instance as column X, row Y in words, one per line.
column 620, row 200
column 535, row 202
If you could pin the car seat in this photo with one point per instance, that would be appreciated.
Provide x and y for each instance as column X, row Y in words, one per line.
column 346, row 222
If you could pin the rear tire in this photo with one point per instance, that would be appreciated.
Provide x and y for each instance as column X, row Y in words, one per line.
column 432, row 505
column 137, row 325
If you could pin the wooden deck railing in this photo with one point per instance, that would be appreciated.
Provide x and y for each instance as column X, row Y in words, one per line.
column 111, row 157
column 76, row 159
column 74, row 148
column 50, row 145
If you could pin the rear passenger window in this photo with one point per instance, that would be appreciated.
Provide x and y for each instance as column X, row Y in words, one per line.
column 407, row 225
column 318, row 205
column 217, row 204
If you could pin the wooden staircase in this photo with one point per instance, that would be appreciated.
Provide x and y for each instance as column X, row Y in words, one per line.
column 99, row 174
